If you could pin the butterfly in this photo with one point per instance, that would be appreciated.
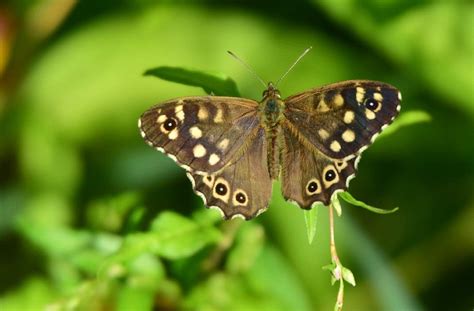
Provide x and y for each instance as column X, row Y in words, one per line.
column 233, row 148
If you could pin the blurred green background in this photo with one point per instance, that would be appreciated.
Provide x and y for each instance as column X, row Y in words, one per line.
column 91, row 218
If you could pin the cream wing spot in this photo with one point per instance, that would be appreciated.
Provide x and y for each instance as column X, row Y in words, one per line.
column 219, row 117
column 162, row 118
column 203, row 114
column 322, row 106
column 180, row 115
column 338, row 100
column 349, row 117
column 179, row 107
column 173, row 134
column 208, row 180
column 195, row 132
column 369, row 114
column 335, row 146
column 323, row 134
column 199, row 151
column 378, row 97
column 223, row 144
column 213, row 159
column 238, row 216
column 360, row 93
column 340, row 165
column 348, row 136
column 178, row 111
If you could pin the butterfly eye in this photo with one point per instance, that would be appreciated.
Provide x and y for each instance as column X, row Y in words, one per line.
column 221, row 189
column 170, row 124
column 371, row 104
column 330, row 175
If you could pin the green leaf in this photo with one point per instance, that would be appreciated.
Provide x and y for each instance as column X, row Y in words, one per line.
column 405, row 119
column 211, row 83
column 311, row 219
column 329, row 267
column 179, row 237
column 172, row 236
column 348, row 276
column 134, row 298
column 30, row 294
column 346, row 196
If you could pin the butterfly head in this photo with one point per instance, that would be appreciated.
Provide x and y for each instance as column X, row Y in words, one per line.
column 271, row 92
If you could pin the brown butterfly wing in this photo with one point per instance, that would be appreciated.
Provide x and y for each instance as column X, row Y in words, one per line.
column 342, row 119
column 308, row 175
column 203, row 133
column 241, row 189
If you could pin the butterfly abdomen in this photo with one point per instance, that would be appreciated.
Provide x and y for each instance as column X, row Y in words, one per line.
column 273, row 151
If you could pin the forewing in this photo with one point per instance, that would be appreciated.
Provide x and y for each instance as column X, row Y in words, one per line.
column 342, row 119
column 308, row 175
column 242, row 189
column 202, row 134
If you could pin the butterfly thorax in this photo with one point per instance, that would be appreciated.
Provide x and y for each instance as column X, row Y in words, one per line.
column 271, row 109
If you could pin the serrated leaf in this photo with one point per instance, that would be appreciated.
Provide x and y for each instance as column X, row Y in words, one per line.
column 211, row 83
column 348, row 276
column 346, row 196
column 311, row 219
column 405, row 119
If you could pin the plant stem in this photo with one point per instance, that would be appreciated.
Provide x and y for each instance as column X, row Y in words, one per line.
column 337, row 272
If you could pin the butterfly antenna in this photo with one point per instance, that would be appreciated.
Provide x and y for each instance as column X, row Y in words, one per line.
column 294, row 64
column 248, row 68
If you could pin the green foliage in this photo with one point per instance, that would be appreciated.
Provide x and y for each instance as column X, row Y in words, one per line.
column 216, row 84
column 311, row 221
column 407, row 118
column 350, row 199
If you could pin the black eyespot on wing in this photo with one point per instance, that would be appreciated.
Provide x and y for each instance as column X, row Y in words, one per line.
column 170, row 124
column 371, row 104
column 221, row 189
column 330, row 175
column 240, row 197
column 312, row 187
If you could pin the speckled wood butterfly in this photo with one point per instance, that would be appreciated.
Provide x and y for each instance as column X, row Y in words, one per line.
column 232, row 148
